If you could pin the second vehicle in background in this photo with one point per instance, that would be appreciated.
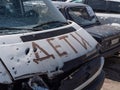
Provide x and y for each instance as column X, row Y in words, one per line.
column 101, row 5
column 107, row 35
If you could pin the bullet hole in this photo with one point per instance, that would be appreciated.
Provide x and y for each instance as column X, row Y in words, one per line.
column 15, row 72
column 3, row 42
column 17, row 48
column 11, row 58
column 28, row 62
column 27, row 51
column 18, row 60
column 13, row 68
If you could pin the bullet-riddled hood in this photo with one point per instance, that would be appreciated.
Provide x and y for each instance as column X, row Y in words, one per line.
column 23, row 55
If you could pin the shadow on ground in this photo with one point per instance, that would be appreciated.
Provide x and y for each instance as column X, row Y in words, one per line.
column 112, row 68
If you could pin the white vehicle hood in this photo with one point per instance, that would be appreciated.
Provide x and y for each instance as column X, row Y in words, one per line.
column 20, row 59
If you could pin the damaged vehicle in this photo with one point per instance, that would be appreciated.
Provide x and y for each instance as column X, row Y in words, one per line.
column 107, row 11
column 107, row 35
column 101, row 5
column 41, row 50
column 109, row 18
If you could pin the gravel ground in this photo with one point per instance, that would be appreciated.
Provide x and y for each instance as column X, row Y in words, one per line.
column 112, row 71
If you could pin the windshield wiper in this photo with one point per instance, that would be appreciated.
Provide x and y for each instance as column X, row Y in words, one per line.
column 12, row 30
column 35, row 27
column 52, row 22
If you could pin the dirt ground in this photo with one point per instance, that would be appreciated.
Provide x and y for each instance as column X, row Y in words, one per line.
column 112, row 72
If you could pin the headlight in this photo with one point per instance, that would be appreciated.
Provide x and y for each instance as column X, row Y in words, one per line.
column 109, row 44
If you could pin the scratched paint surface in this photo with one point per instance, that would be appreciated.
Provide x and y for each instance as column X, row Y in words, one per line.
column 44, row 56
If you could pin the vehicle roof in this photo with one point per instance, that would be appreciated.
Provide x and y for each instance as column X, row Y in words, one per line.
column 60, row 4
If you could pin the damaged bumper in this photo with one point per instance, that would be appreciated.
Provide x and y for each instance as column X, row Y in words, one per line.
column 85, row 76
column 88, row 76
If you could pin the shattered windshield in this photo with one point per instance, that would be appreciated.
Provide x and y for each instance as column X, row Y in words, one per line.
column 29, row 14
column 84, row 16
